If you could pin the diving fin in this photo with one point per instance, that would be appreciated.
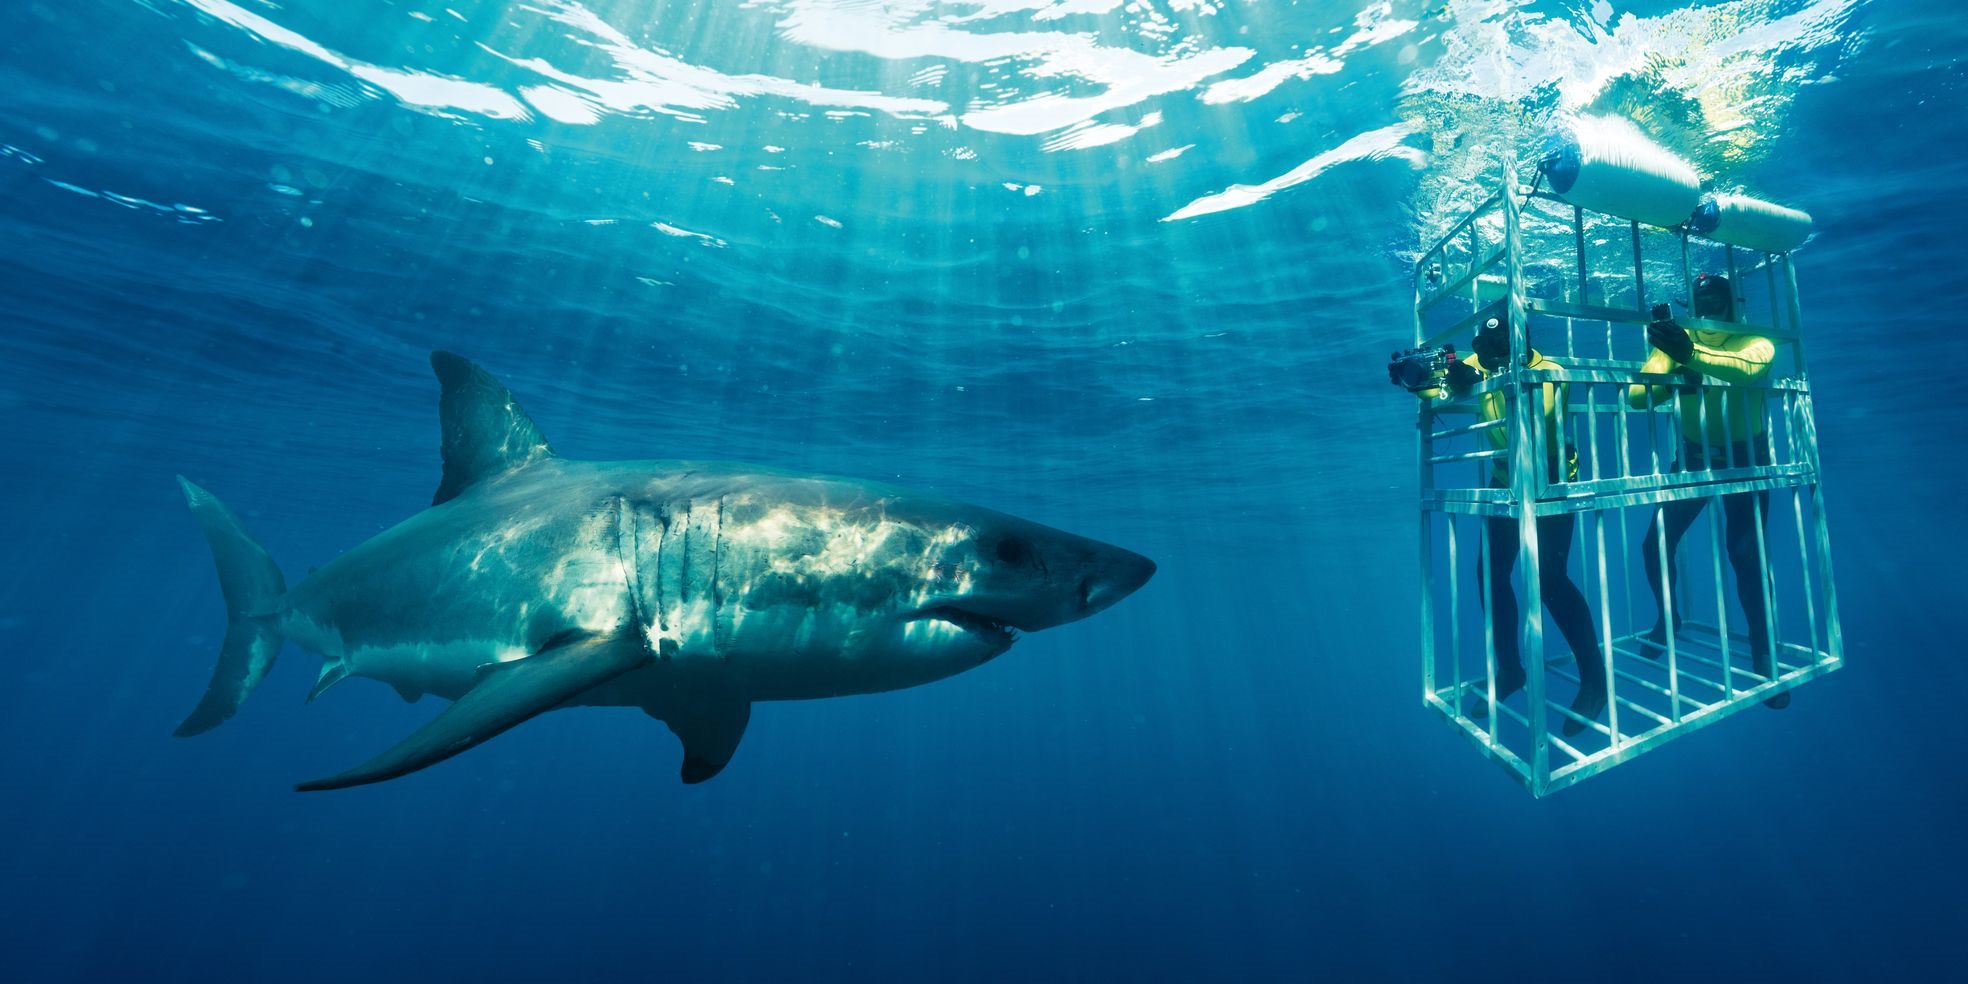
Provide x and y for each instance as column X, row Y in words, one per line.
column 505, row 695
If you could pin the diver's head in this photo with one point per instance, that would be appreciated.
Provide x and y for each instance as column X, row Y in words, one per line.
column 1492, row 343
column 1713, row 298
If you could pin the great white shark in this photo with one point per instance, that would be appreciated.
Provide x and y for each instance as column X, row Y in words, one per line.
column 688, row 589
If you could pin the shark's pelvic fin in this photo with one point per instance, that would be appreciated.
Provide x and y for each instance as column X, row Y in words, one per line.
column 485, row 433
column 505, row 695
column 710, row 729
column 253, row 587
column 333, row 671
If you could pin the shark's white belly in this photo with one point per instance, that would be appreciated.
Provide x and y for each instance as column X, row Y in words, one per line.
column 445, row 669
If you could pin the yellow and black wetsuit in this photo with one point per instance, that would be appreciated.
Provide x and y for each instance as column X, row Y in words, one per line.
column 1732, row 434
column 1491, row 406
column 1734, row 416
column 1562, row 598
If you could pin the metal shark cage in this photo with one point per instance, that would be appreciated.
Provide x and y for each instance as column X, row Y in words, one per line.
column 1582, row 300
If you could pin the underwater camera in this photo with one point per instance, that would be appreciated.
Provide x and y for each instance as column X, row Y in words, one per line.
column 1420, row 369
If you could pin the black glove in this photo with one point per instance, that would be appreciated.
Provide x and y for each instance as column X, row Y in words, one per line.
column 1462, row 376
column 1671, row 339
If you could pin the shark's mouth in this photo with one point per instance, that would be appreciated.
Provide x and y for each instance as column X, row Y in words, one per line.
column 988, row 630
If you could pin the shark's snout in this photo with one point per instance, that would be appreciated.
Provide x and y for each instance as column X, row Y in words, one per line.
column 1066, row 580
column 1106, row 575
column 1121, row 575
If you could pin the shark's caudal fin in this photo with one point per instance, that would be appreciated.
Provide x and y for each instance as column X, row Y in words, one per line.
column 485, row 433
column 252, row 586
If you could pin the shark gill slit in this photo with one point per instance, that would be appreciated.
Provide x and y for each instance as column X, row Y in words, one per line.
column 720, row 634
column 688, row 516
column 627, row 530
column 662, row 594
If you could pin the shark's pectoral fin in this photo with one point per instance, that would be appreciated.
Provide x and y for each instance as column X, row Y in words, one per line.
column 710, row 727
column 485, row 433
column 504, row 696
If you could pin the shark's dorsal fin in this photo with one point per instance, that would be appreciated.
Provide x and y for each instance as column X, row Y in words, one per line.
column 485, row 433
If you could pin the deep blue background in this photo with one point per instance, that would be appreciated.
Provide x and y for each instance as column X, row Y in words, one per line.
column 1229, row 775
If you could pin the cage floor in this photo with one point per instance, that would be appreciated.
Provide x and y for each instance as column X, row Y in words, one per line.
column 1657, row 696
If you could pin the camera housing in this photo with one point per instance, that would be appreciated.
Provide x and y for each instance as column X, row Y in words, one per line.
column 1421, row 369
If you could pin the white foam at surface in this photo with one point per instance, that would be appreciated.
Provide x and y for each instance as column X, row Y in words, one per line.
column 1378, row 144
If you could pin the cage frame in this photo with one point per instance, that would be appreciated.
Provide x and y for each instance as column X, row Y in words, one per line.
column 1531, row 494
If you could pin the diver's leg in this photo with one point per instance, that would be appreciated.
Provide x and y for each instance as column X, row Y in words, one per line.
column 1568, row 608
column 1677, row 516
column 1745, row 512
column 1496, row 564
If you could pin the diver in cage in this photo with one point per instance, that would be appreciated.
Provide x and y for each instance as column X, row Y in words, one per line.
column 1562, row 598
column 1722, row 426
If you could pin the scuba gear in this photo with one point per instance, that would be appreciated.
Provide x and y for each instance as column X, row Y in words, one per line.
column 1492, row 344
column 1713, row 297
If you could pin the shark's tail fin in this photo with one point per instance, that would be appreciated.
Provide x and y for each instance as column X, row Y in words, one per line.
column 252, row 586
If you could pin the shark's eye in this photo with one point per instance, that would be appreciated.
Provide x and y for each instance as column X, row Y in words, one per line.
column 1013, row 550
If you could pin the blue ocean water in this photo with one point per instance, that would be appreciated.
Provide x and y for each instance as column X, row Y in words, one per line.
column 1126, row 268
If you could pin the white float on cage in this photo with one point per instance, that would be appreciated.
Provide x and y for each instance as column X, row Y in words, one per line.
column 1752, row 223
column 1606, row 165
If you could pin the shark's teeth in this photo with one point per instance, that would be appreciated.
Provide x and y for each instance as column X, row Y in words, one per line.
column 971, row 622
